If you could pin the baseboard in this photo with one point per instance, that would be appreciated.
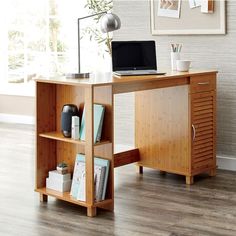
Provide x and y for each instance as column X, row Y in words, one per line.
column 17, row 119
column 226, row 163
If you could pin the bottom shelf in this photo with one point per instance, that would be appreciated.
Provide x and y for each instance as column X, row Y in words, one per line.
column 67, row 197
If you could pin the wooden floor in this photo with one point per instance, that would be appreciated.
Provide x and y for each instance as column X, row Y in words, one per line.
column 152, row 204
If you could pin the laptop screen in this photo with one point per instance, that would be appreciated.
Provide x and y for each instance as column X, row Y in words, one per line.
column 133, row 55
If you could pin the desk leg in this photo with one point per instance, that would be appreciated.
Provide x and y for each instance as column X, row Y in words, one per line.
column 139, row 169
column 43, row 197
column 212, row 172
column 189, row 180
column 91, row 211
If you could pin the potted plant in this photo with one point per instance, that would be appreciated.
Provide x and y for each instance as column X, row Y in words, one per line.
column 62, row 168
column 96, row 6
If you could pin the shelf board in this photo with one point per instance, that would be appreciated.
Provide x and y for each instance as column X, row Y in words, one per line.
column 126, row 157
column 59, row 136
column 67, row 197
column 63, row 196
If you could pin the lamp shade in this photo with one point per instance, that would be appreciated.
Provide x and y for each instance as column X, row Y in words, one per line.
column 110, row 22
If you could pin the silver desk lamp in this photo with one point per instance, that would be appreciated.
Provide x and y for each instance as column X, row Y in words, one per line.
column 109, row 22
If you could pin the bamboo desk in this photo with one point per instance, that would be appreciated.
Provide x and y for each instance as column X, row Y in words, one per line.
column 175, row 128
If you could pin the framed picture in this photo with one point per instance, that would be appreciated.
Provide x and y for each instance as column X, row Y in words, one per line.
column 169, row 8
column 179, row 18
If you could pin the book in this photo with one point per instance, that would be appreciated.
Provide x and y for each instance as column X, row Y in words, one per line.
column 78, row 174
column 99, row 133
column 81, row 192
column 99, row 111
column 101, row 171
column 104, row 178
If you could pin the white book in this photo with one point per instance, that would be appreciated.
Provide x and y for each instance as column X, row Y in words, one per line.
column 78, row 176
column 81, row 192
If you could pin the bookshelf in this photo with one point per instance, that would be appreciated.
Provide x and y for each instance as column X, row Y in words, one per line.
column 53, row 147
column 175, row 128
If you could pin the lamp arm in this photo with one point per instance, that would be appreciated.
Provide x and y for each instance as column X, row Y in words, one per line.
column 78, row 47
column 108, row 43
column 78, row 22
column 96, row 14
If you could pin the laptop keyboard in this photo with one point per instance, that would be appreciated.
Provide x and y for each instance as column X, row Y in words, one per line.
column 138, row 72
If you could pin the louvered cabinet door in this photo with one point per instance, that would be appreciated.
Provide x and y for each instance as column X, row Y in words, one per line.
column 203, row 116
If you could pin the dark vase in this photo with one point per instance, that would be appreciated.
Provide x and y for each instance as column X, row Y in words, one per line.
column 68, row 110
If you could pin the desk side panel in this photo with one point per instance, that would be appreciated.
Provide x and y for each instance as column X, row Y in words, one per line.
column 45, row 122
column 162, row 130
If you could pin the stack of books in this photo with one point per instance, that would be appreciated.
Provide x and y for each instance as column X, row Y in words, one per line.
column 59, row 182
column 101, row 171
column 99, row 111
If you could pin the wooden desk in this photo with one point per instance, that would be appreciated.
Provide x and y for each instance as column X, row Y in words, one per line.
column 175, row 128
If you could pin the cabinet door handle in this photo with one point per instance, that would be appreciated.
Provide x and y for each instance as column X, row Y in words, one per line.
column 194, row 132
column 203, row 83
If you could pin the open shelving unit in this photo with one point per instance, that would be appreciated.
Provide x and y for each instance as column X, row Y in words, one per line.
column 53, row 147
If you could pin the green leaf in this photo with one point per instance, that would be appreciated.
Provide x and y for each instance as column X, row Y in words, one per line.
column 96, row 6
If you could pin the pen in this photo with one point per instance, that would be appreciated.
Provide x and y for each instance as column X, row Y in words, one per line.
column 176, row 47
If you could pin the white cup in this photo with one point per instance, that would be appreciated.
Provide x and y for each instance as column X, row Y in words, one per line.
column 183, row 65
column 174, row 56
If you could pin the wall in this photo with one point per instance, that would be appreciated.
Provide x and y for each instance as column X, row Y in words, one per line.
column 17, row 109
column 206, row 51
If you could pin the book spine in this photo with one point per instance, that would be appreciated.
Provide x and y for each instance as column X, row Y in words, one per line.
column 99, row 134
column 101, row 185
column 105, row 181
column 82, row 127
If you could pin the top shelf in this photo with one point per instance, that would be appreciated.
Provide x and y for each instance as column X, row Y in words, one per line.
column 59, row 136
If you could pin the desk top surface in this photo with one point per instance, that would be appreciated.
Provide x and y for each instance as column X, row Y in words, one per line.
column 99, row 79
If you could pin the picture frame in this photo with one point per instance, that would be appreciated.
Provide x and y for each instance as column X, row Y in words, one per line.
column 191, row 22
column 170, row 8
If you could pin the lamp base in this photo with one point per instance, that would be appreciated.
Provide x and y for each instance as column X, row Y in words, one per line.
column 78, row 75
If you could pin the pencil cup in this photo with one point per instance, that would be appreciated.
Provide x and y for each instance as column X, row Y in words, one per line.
column 174, row 57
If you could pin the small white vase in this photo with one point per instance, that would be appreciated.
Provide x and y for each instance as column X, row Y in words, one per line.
column 174, row 57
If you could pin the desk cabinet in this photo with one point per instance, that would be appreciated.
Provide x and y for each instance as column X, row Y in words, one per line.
column 176, row 127
column 203, row 117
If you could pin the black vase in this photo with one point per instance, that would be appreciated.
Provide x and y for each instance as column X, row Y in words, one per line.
column 68, row 110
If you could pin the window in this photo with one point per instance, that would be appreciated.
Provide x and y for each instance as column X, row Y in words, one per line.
column 40, row 38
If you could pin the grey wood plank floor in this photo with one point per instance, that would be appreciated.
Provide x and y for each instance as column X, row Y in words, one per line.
column 148, row 204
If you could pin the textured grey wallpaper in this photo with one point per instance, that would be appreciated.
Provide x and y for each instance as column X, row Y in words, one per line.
column 206, row 52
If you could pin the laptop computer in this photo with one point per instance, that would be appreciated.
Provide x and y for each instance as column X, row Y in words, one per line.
column 134, row 58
